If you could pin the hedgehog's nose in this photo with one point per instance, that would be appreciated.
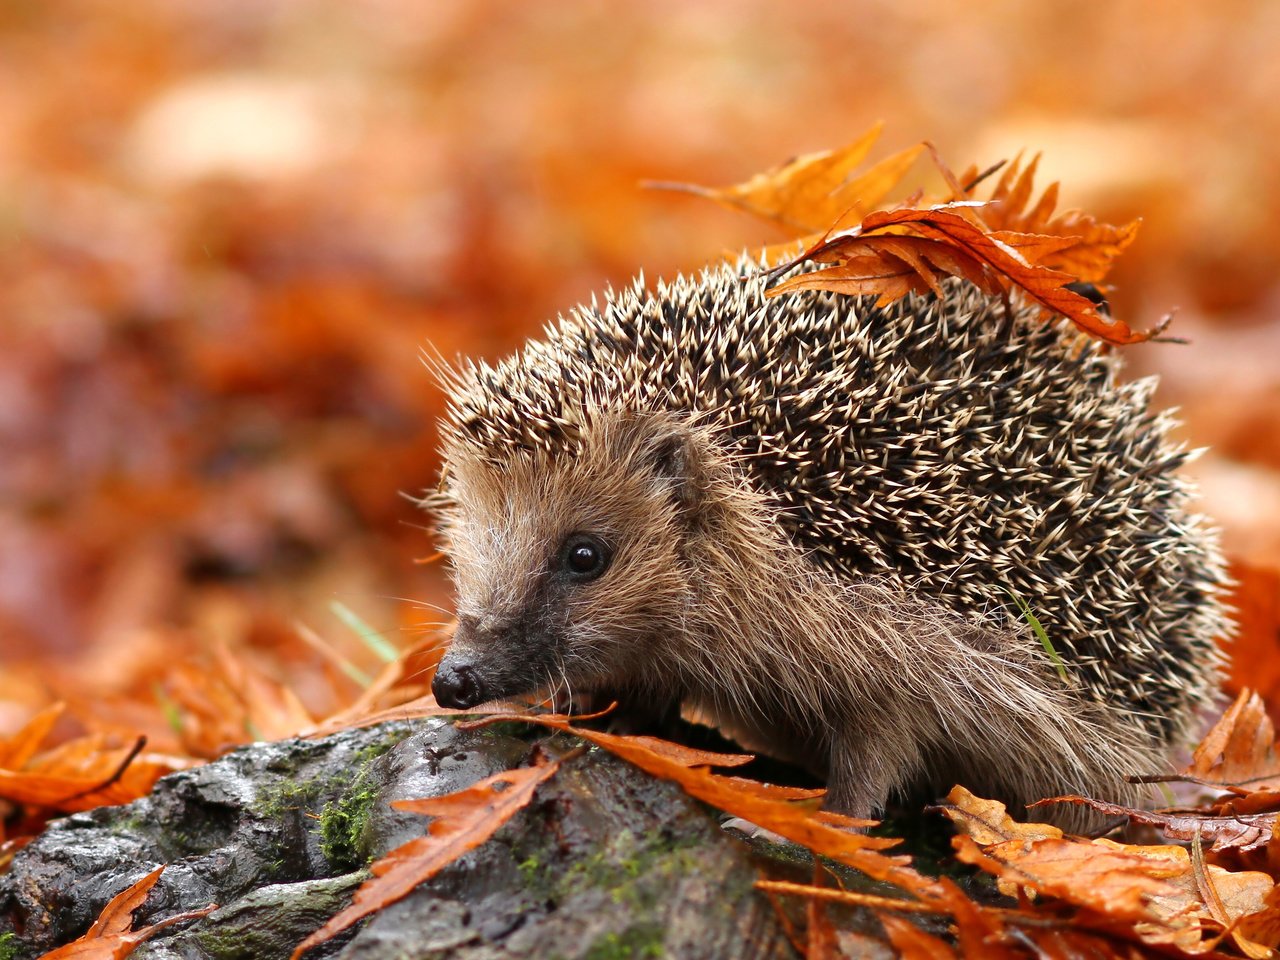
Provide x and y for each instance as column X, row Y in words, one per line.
column 457, row 687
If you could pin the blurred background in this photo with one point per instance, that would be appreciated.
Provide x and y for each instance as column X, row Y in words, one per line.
column 227, row 230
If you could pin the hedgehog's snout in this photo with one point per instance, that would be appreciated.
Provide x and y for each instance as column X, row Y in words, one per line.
column 457, row 686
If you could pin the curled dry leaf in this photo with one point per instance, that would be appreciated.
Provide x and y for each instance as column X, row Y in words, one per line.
column 1003, row 244
column 994, row 262
column 1237, row 831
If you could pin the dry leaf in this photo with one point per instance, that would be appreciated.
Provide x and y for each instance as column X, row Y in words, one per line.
column 1240, row 747
column 463, row 821
column 1243, row 832
column 111, row 937
column 990, row 261
column 911, row 942
column 1158, row 894
column 817, row 191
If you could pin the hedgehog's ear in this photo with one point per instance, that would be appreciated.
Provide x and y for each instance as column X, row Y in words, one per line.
column 672, row 454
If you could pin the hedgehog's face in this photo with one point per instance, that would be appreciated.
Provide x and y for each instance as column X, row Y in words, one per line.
column 570, row 571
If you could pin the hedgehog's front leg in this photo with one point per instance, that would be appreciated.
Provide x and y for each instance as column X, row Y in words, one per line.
column 866, row 765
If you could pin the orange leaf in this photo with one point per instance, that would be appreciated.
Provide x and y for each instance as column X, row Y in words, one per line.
column 111, row 936
column 1263, row 927
column 117, row 915
column 815, row 191
column 1156, row 894
column 82, row 774
column 950, row 226
column 1092, row 247
column 1240, row 747
column 773, row 808
column 880, row 275
column 464, row 820
column 911, row 942
column 1234, row 831
column 16, row 750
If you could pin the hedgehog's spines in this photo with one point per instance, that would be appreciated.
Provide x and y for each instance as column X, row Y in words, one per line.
column 924, row 442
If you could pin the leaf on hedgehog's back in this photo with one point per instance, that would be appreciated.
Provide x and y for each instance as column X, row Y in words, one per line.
column 816, row 191
column 1082, row 246
column 993, row 261
column 998, row 244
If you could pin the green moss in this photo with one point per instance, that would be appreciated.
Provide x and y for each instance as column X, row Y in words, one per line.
column 370, row 752
column 8, row 946
column 287, row 797
column 343, row 823
column 643, row 940
column 531, row 867
column 631, row 870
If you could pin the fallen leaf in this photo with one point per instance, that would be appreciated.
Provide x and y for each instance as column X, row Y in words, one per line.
column 1241, row 746
column 1243, row 832
column 111, row 936
column 17, row 749
column 463, row 821
column 911, row 942
column 1157, row 894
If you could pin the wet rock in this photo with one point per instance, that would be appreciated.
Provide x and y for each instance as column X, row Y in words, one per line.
column 604, row 863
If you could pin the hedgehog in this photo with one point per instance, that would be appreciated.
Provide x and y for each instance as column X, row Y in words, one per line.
column 901, row 546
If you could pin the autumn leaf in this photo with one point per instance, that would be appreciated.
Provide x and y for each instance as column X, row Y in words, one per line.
column 1240, row 748
column 991, row 262
column 911, row 942
column 79, row 774
column 112, row 937
column 1237, row 831
column 463, row 821
column 1085, row 248
column 17, row 749
column 816, row 191
column 1000, row 244
column 771, row 808
column 1156, row 894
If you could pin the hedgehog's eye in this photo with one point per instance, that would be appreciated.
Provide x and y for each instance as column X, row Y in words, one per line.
column 585, row 557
